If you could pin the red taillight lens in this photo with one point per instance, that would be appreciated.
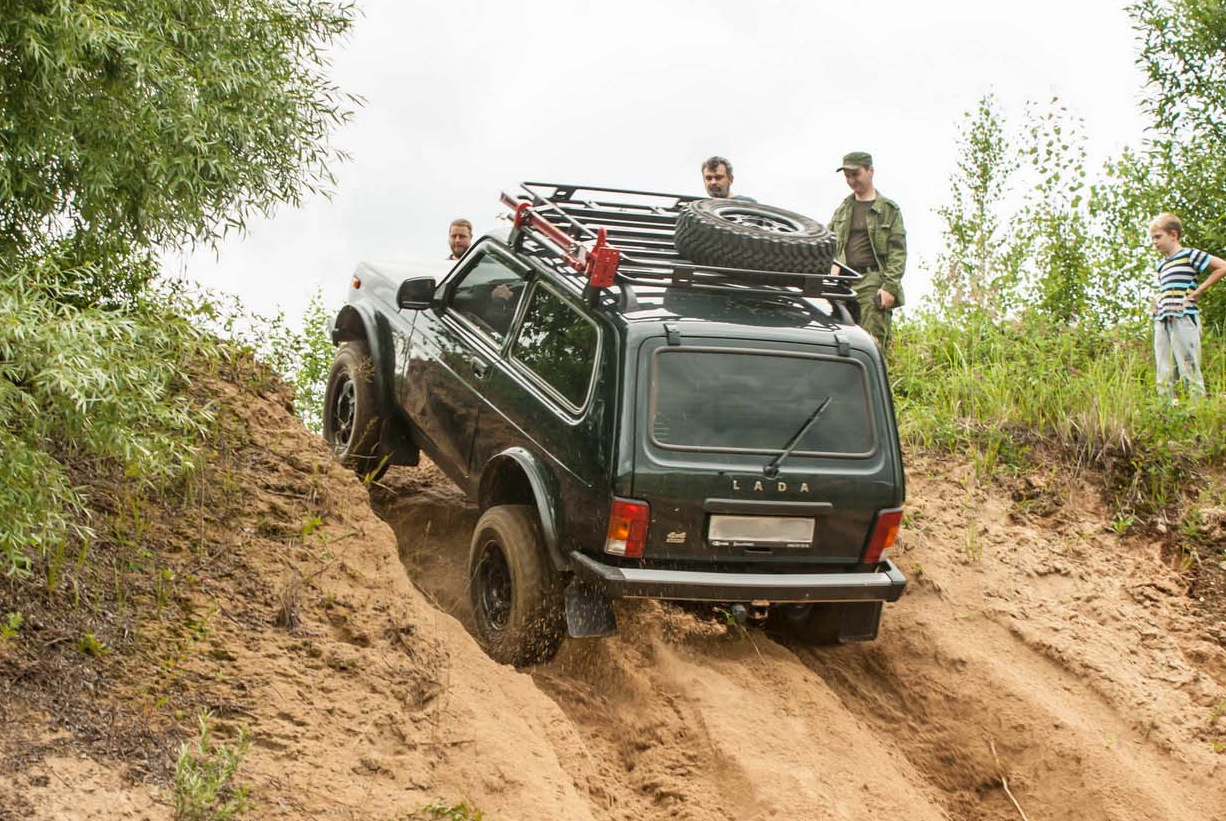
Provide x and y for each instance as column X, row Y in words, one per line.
column 885, row 531
column 356, row 283
column 627, row 528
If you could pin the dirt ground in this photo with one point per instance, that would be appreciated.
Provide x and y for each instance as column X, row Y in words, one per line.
column 1039, row 663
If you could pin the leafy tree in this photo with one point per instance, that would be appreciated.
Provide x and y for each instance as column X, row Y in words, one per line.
column 127, row 126
column 1042, row 254
column 130, row 125
column 302, row 356
column 1075, row 252
column 978, row 266
column 1054, row 220
column 1183, row 54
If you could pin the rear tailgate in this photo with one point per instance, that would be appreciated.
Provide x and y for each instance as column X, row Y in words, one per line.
column 716, row 415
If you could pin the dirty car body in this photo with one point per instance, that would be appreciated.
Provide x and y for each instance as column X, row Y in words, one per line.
column 732, row 444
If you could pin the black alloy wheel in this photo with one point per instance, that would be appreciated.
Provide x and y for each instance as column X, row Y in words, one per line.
column 352, row 422
column 494, row 586
column 514, row 589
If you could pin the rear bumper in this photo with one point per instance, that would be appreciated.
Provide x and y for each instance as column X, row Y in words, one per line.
column 689, row 585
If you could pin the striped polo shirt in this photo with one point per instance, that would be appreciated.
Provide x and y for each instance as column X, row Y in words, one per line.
column 1176, row 279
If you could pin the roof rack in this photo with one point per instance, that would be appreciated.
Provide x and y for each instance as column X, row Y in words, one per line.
column 608, row 236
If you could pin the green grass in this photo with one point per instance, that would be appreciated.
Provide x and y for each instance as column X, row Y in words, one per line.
column 10, row 627
column 91, row 393
column 1016, row 393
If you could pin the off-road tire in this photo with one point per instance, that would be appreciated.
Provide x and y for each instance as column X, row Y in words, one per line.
column 516, row 593
column 351, row 411
column 739, row 234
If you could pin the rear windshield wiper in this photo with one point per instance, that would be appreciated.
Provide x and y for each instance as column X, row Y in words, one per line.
column 771, row 469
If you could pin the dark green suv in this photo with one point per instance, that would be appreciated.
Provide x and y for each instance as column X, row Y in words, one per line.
column 647, row 395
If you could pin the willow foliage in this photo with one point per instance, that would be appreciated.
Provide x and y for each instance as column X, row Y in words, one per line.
column 132, row 125
column 85, row 388
column 128, row 127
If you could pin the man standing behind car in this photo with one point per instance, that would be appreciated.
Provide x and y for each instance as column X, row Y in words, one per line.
column 717, row 179
column 870, row 239
column 459, row 237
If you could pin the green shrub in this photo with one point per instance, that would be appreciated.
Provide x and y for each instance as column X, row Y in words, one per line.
column 437, row 810
column 300, row 352
column 10, row 627
column 204, row 788
column 85, row 388
column 302, row 357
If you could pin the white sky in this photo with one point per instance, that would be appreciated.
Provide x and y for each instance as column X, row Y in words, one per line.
column 464, row 99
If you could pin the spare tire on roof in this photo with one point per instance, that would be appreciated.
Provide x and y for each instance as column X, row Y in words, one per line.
column 740, row 234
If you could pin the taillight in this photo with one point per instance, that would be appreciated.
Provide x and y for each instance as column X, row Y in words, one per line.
column 885, row 531
column 627, row 528
column 356, row 282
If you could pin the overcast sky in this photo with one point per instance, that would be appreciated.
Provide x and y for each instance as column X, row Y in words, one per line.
column 464, row 99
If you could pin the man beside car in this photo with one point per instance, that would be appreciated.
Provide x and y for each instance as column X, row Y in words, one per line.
column 871, row 240
column 459, row 237
column 717, row 179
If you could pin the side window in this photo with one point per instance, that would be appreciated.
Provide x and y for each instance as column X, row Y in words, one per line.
column 558, row 345
column 487, row 295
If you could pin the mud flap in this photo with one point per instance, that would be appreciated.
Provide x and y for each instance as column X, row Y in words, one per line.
column 859, row 621
column 397, row 443
column 589, row 615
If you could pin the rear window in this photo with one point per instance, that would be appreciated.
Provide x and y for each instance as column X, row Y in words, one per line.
column 716, row 399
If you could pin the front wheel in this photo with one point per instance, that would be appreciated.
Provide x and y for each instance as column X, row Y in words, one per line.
column 516, row 594
column 351, row 417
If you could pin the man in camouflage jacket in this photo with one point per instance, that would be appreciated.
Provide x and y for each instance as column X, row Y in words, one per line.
column 870, row 238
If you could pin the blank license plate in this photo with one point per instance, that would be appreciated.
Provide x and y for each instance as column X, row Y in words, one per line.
column 760, row 531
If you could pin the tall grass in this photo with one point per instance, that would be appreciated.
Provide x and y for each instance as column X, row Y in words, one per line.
column 1007, row 388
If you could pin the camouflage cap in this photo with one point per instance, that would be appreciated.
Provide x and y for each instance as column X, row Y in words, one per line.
column 856, row 159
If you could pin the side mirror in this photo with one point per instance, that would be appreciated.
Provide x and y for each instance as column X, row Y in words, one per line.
column 416, row 293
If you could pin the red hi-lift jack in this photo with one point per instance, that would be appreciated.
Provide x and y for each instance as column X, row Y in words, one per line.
column 598, row 264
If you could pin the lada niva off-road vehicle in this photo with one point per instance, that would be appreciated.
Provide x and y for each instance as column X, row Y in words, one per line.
column 647, row 395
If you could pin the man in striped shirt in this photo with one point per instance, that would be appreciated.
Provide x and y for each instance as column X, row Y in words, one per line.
column 1176, row 317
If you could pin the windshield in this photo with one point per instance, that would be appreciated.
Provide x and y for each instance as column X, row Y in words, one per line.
column 716, row 399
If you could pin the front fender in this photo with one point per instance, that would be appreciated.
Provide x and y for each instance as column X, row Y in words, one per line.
column 357, row 322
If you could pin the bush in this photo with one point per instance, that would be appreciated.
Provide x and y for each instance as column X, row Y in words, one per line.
column 302, row 357
column 204, row 776
column 85, row 388
column 999, row 388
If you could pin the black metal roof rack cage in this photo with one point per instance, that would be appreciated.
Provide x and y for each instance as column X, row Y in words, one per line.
column 608, row 236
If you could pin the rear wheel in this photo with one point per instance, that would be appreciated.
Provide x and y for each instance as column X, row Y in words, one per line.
column 516, row 594
column 351, row 422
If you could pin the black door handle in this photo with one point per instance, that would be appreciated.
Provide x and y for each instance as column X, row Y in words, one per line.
column 480, row 368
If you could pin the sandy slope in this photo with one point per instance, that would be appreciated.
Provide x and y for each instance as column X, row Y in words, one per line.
column 1029, row 629
column 1034, row 644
